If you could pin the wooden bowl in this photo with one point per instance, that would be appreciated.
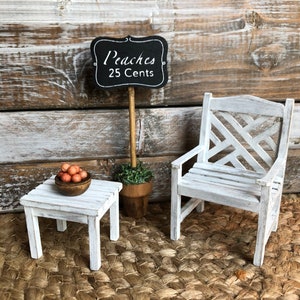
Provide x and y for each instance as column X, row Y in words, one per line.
column 73, row 188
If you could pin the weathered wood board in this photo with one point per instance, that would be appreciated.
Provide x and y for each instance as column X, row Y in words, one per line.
column 33, row 144
column 85, row 134
column 51, row 110
column 69, row 135
column 231, row 47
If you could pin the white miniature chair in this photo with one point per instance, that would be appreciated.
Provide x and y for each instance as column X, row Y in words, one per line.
column 240, row 162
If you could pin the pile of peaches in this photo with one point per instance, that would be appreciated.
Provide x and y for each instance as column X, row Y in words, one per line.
column 71, row 173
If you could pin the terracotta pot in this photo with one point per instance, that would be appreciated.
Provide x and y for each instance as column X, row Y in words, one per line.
column 135, row 199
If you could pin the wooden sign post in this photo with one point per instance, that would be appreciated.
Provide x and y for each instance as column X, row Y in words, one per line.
column 130, row 62
column 131, row 93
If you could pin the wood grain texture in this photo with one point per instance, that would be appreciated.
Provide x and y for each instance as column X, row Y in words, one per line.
column 48, row 98
column 85, row 134
column 65, row 135
column 33, row 144
column 228, row 48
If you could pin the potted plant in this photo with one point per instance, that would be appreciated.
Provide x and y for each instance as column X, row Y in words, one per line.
column 137, row 186
column 135, row 176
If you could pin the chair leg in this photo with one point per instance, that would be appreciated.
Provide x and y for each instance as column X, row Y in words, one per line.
column 175, row 216
column 277, row 200
column 260, row 243
column 275, row 218
column 265, row 223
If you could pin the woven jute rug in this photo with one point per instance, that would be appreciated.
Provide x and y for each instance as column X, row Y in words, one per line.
column 211, row 260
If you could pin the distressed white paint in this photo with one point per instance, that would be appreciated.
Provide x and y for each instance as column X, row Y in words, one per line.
column 45, row 201
column 295, row 131
column 64, row 135
column 44, row 52
column 228, row 180
column 76, row 11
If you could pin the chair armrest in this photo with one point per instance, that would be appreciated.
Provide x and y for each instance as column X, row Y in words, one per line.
column 272, row 174
column 177, row 163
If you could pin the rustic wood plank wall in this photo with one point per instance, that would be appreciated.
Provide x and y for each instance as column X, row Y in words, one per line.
column 51, row 111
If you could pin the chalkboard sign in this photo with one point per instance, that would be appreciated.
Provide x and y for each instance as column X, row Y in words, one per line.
column 130, row 61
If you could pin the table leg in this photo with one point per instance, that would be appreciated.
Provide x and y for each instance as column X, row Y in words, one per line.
column 61, row 225
column 114, row 219
column 33, row 229
column 94, row 240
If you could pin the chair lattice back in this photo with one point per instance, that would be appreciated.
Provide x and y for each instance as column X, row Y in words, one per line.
column 241, row 160
column 241, row 140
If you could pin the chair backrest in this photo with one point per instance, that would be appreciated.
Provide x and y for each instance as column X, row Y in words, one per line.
column 245, row 132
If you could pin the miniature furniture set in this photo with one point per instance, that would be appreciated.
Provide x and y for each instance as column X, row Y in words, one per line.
column 239, row 162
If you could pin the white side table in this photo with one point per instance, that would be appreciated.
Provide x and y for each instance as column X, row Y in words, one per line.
column 87, row 208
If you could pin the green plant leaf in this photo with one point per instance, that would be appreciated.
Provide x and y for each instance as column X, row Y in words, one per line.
column 128, row 175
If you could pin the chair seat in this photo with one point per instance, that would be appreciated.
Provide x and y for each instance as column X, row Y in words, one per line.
column 223, row 185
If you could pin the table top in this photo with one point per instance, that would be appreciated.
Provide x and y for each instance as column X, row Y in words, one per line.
column 99, row 195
